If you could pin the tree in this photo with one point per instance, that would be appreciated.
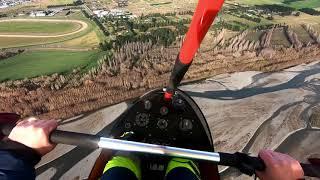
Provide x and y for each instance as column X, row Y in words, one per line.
column 270, row 17
column 154, row 20
column 310, row 11
column 78, row 2
column 129, row 25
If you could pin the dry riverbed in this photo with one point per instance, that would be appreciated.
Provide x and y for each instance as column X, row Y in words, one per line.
column 246, row 111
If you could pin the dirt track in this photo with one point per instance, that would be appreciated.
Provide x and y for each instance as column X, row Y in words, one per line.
column 82, row 28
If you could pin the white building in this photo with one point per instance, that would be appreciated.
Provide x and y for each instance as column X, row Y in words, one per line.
column 38, row 14
column 113, row 13
column 101, row 13
column 116, row 12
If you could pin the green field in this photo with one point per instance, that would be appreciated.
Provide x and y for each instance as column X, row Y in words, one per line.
column 55, row 2
column 31, row 27
column 305, row 4
column 88, row 38
column 61, row 1
column 295, row 4
column 32, row 64
column 257, row 2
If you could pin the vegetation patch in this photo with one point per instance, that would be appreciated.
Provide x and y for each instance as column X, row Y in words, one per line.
column 310, row 11
column 9, row 53
column 32, row 64
column 284, row 10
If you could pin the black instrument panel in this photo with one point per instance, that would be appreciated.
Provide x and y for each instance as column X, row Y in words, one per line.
column 176, row 122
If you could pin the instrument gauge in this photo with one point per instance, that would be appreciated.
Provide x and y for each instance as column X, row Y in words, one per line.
column 162, row 123
column 164, row 110
column 142, row 119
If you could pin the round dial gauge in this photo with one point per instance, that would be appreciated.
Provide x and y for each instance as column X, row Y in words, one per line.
column 142, row 119
column 162, row 123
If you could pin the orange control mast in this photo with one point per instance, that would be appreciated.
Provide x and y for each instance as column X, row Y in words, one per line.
column 203, row 17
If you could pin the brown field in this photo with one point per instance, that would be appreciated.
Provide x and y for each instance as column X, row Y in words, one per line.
column 302, row 33
column 293, row 20
column 279, row 38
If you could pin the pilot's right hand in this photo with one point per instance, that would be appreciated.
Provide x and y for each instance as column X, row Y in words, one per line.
column 279, row 167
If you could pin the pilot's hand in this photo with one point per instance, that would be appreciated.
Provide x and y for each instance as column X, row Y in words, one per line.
column 279, row 167
column 34, row 134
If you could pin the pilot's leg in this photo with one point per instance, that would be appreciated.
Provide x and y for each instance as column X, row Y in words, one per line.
column 179, row 168
column 121, row 168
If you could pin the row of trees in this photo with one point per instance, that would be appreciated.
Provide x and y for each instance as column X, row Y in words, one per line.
column 3, row 15
column 97, row 21
column 282, row 10
column 310, row 11
column 143, row 27
column 230, row 26
column 161, row 36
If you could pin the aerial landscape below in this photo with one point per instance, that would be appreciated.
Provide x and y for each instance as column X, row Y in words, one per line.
column 82, row 62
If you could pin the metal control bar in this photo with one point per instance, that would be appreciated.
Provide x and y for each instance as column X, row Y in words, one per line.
column 246, row 164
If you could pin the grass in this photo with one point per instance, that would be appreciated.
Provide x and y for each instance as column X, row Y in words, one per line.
column 32, row 64
column 230, row 18
column 305, row 4
column 293, row 20
column 296, row 4
column 12, row 27
column 257, row 2
column 85, row 38
column 55, row 2
column 89, row 40
column 8, row 42
column 66, row 52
